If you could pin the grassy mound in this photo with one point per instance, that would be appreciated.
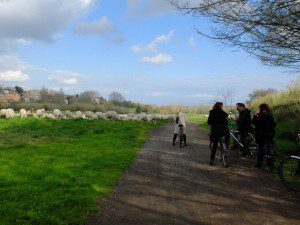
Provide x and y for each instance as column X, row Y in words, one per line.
column 286, row 108
column 53, row 171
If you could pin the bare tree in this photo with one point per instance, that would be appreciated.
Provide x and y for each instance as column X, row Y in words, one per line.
column 261, row 93
column 116, row 98
column 58, row 97
column 44, row 94
column 227, row 97
column 86, row 96
column 267, row 29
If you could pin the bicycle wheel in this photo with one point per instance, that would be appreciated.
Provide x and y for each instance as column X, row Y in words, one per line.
column 224, row 155
column 270, row 158
column 219, row 152
column 289, row 173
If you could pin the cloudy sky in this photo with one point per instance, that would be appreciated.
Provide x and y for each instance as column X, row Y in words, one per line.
column 141, row 48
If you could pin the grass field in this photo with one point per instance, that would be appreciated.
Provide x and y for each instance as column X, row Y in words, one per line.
column 53, row 171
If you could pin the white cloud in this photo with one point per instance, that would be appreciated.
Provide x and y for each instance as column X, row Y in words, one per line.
column 152, row 46
column 103, row 26
column 147, row 8
column 69, row 88
column 159, row 59
column 136, row 48
column 191, row 42
column 10, row 62
column 158, row 94
column 39, row 20
column 117, row 40
column 64, row 77
column 200, row 95
column 13, row 76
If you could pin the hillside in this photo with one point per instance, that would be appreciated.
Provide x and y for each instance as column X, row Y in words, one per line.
column 286, row 109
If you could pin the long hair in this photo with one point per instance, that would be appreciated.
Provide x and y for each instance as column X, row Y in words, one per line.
column 218, row 105
column 264, row 107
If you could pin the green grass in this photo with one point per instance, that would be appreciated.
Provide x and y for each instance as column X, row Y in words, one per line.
column 196, row 118
column 286, row 132
column 289, row 98
column 53, row 171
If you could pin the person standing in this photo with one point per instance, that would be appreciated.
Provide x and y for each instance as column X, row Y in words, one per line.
column 218, row 120
column 180, row 119
column 264, row 130
column 243, row 126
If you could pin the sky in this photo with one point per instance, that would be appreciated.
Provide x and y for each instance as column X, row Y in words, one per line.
column 143, row 49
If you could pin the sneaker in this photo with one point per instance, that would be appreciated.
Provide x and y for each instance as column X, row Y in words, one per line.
column 185, row 144
column 211, row 163
column 258, row 166
column 173, row 144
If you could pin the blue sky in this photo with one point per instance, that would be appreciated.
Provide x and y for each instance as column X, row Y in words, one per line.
column 141, row 48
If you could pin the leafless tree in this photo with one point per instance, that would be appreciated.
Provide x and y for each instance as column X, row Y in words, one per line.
column 116, row 98
column 267, row 29
column 227, row 97
column 44, row 94
column 86, row 96
column 261, row 93
column 58, row 97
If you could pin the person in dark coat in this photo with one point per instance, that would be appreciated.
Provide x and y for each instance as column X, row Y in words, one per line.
column 243, row 126
column 264, row 130
column 218, row 120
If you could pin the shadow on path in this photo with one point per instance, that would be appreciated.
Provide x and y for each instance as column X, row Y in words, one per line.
column 168, row 185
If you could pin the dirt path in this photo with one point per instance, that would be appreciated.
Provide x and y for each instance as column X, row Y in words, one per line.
column 168, row 185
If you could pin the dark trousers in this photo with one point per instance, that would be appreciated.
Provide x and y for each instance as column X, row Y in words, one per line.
column 261, row 152
column 245, row 143
column 261, row 142
column 215, row 141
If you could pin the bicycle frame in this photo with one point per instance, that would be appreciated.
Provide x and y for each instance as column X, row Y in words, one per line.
column 295, row 157
column 232, row 134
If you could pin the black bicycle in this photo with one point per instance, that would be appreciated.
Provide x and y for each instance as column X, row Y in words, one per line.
column 270, row 154
column 289, row 171
column 222, row 152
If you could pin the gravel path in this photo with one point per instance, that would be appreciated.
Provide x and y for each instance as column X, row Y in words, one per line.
column 168, row 185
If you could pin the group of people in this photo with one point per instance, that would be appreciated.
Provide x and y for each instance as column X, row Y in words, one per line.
column 263, row 122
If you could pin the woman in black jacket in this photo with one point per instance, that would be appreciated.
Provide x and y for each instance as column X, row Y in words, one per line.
column 218, row 120
column 264, row 130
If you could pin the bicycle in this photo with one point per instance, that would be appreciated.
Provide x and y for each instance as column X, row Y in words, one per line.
column 180, row 134
column 289, row 171
column 270, row 154
column 222, row 152
column 251, row 142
